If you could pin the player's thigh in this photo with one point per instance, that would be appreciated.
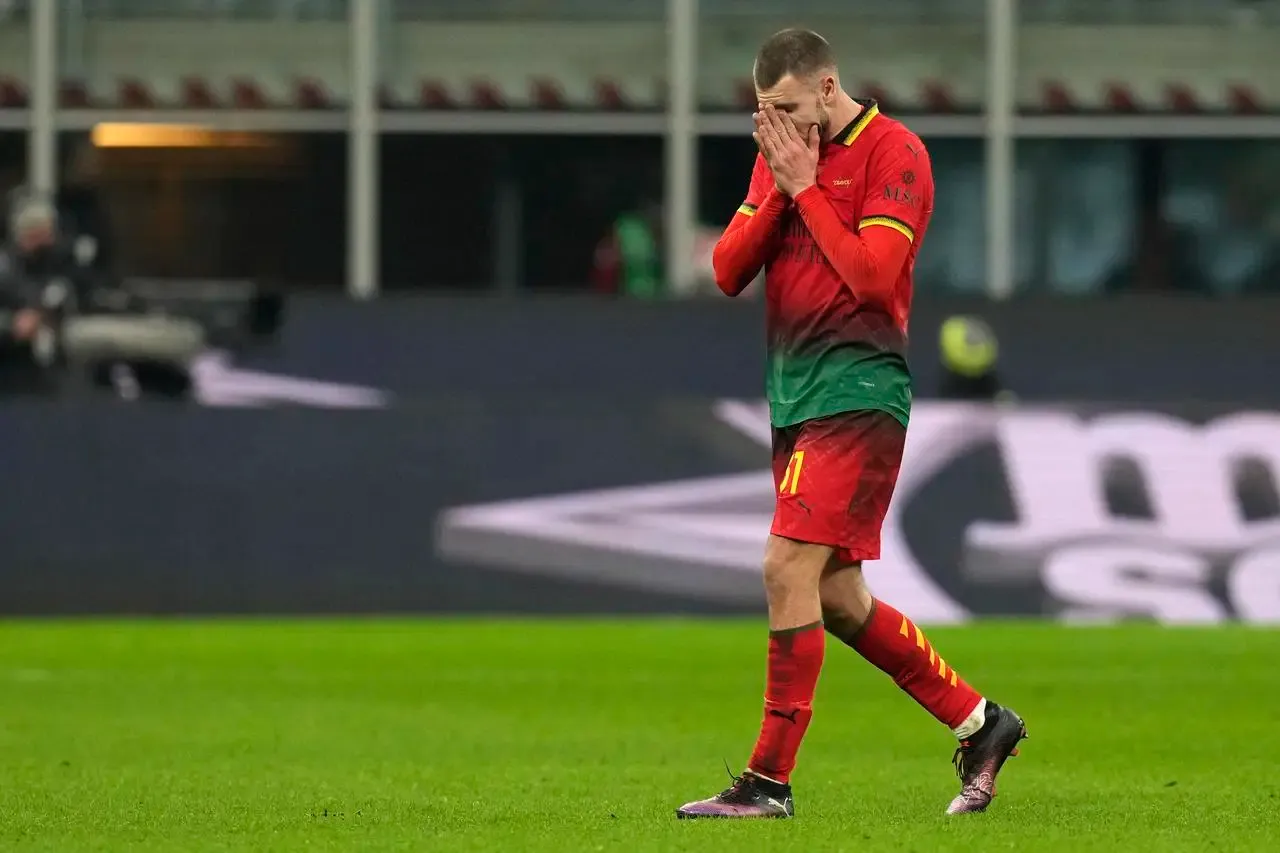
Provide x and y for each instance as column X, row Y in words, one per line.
column 789, row 561
column 839, row 481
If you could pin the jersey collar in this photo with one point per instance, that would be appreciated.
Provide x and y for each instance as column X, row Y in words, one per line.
column 870, row 109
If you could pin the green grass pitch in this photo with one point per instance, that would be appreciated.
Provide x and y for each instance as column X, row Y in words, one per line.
column 566, row 736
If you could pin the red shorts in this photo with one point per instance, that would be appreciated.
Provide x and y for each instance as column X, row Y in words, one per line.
column 834, row 477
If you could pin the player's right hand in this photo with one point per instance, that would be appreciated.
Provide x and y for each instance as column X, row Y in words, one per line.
column 792, row 153
column 757, row 135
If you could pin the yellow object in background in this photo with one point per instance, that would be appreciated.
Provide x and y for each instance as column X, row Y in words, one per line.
column 968, row 346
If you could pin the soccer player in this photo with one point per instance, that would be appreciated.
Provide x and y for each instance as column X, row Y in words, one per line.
column 839, row 202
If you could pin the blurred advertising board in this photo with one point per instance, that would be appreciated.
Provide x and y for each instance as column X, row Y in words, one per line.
column 1070, row 512
column 574, row 455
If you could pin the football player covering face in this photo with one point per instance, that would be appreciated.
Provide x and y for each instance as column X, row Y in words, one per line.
column 838, row 205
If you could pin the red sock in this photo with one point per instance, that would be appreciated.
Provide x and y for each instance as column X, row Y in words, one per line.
column 795, row 659
column 895, row 645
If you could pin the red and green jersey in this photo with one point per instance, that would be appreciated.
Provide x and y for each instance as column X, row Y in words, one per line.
column 828, row 351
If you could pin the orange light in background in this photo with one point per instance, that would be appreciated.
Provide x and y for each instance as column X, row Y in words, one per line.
column 119, row 135
column 145, row 135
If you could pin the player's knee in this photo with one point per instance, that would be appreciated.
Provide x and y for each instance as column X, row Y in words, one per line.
column 777, row 576
column 791, row 568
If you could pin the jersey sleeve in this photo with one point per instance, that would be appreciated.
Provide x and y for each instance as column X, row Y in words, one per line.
column 761, row 182
column 752, row 235
column 899, row 186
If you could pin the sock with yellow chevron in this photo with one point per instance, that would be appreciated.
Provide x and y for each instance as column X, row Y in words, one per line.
column 894, row 644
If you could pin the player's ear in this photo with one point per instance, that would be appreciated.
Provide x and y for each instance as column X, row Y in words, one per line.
column 828, row 87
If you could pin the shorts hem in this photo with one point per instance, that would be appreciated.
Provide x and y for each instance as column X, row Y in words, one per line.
column 849, row 553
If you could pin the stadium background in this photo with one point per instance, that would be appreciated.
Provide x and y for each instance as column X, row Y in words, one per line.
column 464, row 357
column 1113, row 214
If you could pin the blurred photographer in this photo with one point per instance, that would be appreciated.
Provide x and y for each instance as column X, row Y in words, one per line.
column 30, row 262
column 69, row 322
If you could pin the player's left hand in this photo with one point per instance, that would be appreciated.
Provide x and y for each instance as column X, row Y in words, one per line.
column 792, row 154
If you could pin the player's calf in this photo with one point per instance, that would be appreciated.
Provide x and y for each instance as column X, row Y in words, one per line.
column 792, row 571
column 988, row 734
column 796, row 648
column 896, row 646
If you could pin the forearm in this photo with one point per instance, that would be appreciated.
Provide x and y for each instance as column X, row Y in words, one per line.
column 869, row 262
column 745, row 245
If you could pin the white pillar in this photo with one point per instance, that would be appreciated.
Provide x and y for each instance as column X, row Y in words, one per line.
column 42, row 135
column 681, row 160
column 1002, row 35
column 362, row 153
